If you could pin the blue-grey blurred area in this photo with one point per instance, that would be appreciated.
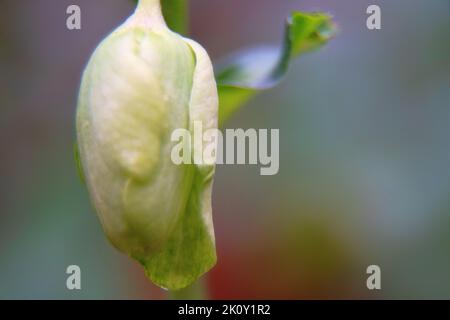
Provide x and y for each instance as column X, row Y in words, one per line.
column 364, row 156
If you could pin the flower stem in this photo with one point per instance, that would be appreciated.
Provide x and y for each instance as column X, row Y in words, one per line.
column 175, row 12
column 149, row 14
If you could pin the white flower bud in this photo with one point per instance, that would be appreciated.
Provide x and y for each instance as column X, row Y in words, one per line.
column 142, row 82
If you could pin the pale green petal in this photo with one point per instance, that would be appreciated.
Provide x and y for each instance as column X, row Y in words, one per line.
column 190, row 252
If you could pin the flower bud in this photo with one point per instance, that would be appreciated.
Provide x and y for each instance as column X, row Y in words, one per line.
column 142, row 82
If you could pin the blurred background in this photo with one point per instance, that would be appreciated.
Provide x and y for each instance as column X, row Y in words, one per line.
column 364, row 156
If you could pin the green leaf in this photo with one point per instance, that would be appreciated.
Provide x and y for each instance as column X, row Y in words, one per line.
column 249, row 71
column 176, row 15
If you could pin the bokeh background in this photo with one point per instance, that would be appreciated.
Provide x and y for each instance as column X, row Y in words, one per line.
column 364, row 156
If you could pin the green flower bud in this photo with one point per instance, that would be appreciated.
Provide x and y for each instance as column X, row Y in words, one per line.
column 142, row 82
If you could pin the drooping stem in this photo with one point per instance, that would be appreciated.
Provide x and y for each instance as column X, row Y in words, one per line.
column 149, row 14
column 175, row 13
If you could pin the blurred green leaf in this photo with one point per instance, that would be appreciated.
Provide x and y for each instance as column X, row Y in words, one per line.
column 176, row 15
column 255, row 69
